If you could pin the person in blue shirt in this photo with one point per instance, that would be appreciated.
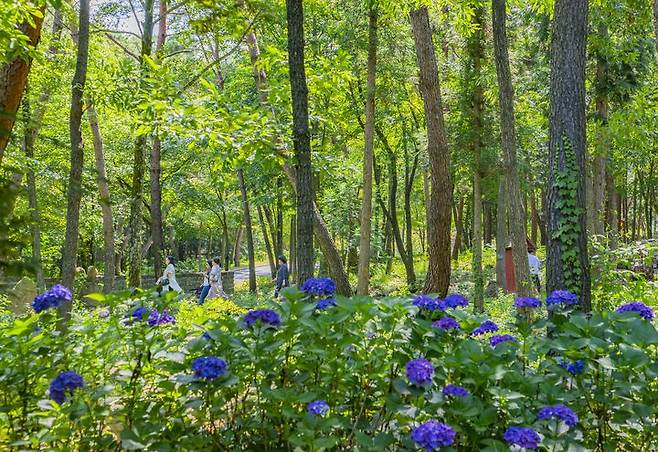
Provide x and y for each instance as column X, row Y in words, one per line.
column 282, row 276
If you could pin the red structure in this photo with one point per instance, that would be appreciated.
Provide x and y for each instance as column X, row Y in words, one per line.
column 510, row 277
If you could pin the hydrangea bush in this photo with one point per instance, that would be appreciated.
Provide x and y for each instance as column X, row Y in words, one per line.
column 360, row 374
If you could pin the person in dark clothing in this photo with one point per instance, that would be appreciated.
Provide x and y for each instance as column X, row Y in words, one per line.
column 282, row 276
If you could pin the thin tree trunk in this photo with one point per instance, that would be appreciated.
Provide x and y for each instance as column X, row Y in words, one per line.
column 278, row 242
column 139, row 154
column 237, row 248
column 366, row 206
column 655, row 20
column 104, row 194
column 502, row 233
column 13, row 78
column 227, row 248
column 293, row 248
column 458, row 215
column 602, row 142
column 534, row 229
column 301, row 140
column 249, row 232
column 74, row 193
column 410, row 176
column 567, row 261
column 438, row 214
column 517, row 220
column 268, row 246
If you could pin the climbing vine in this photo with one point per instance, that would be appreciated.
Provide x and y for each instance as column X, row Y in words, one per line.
column 568, row 230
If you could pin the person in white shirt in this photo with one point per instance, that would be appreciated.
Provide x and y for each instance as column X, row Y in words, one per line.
column 534, row 264
column 168, row 278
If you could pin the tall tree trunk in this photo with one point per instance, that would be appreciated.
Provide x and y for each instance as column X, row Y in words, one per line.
column 249, row 232
column 655, row 20
column 13, row 78
column 293, row 248
column 155, row 158
column 366, row 206
column 410, row 176
column 301, row 139
column 278, row 242
column 227, row 248
column 438, row 214
column 517, row 220
column 534, row 230
column 139, row 155
column 104, row 194
column 476, row 53
column 458, row 215
column 602, row 142
column 237, row 248
column 268, row 246
column 502, row 233
column 74, row 193
column 567, row 261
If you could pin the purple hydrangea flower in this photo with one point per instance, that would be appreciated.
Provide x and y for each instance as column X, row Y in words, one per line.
column 562, row 412
column 485, row 327
column 266, row 316
column 527, row 302
column 325, row 303
column 429, row 303
column 318, row 408
column 420, row 372
column 209, row 367
column 140, row 313
column 156, row 318
column 561, row 297
column 433, row 435
column 63, row 384
column 574, row 368
column 446, row 323
column 51, row 298
column 207, row 336
column 523, row 437
column 455, row 300
column 455, row 391
column 319, row 286
column 639, row 307
column 500, row 338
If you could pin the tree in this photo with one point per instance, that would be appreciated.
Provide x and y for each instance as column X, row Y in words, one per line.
column 366, row 205
column 13, row 77
column 567, row 260
column 139, row 151
column 438, row 212
column 248, row 231
column 301, row 139
column 74, row 193
column 517, row 220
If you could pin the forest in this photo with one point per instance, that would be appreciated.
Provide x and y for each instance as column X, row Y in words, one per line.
column 461, row 194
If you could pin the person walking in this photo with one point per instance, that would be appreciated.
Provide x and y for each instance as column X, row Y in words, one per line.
column 205, row 287
column 534, row 264
column 215, row 279
column 168, row 278
column 282, row 276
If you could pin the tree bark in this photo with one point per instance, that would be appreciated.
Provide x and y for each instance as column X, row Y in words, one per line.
column 104, row 195
column 249, row 232
column 655, row 20
column 268, row 246
column 438, row 214
column 13, row 78
column 237, row 248
column 567, row 261
column 517, row 220
column 602, row 151
column 502, row 233
column 458, row 215
column 74, row 192
column 139, row 153
column 301, row 139
column 366, row 206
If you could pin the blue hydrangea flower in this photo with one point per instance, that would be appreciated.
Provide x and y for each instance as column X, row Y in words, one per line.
column 156, row 318
column 574, row 368
column 433, row 435
column 561, row 297
column 562, row 412
column 527, row 302
column 485, row 327
column 455, row 300
column 207, row 336
column 318, row 408
column 420, row 372
column 325, row 303
column 140, row 313
column 523, row 437
column 63, row 384
column 500, row 338
column 446, row 323
column 266, row 316
column 427, row 302
column 639, row 307
column 209, row 367
column 456, row 391
column 52, row 298
column 319, row 286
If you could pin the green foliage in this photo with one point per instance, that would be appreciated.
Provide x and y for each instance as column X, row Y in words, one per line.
column 140, row 391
